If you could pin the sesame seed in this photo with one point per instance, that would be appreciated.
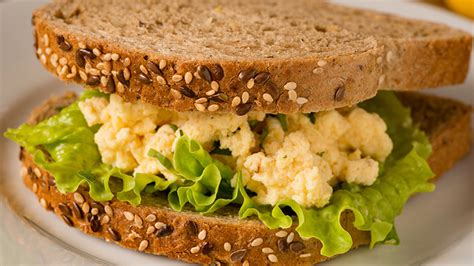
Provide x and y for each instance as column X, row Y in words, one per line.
column 214, row 85
column 322, row 63
column 78, row 197
column 83, row 75
column 62, row 61
column 70, row 75
column 196, row 75
column 162, row 64
column 138, row 221
column 115, row 57
column 210, row 92
column 126, row 73
column 107, row 57
column 94, row 71
column 245, row 97
column 94, row 211
column 58, row 70
column 161, row 80
column 305, row 255
column 120, row 87
column 272, row 258
column 290, row 237
column 200, row 107
column 81, row 45
column 54, row 60
column 176, row 94
column 267, row 250
column 150, row 218
column 290, row 86
column 105, row 219
column 37, row 172
column 159, row 225
column 379, row 60
column 143, row 69
column 44, row 203
column 227, row 246
column 47, row 51
column 318, row 70
column 109, row 210
column 292, row 95
column 126, row 62
column 195, row 249
column 213, row 107
column 250, row 83
column 87, row 67
column 188, row 77
column 35, row 187
column 100, row 66
column 64, row 70
column 103, row 81
column 74, row 70
column 150, row 230
column 177, row 78
column 202, row 235
column 96, row 51
column 201, row 100
column 39, row 51
column 381, row 79
column 128, row 215
column 85, row 207
column 143, row 245
column 43, row 59
column 281, row 233
column 235, row 101
column 256, row 242
column 46, row 39
column 267, row 97
column 390, row 56
column 301, row 100
column 246, row 263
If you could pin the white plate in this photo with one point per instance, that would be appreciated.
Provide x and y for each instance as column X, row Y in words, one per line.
column 434, row 228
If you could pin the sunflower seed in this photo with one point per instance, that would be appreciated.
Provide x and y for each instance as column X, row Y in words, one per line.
column 238, row 255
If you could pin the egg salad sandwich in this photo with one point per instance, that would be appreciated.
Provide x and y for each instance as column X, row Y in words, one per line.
column 241, row 132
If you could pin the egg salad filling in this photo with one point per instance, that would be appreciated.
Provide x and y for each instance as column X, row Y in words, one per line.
column 280, row 157
column 306, row 169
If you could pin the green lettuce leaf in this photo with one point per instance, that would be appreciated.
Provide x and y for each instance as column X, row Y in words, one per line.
column 64, row 145
column 204, row 177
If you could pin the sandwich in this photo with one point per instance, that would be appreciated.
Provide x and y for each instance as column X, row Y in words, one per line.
column 242, row 132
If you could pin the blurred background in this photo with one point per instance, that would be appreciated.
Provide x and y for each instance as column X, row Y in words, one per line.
column 462, row 7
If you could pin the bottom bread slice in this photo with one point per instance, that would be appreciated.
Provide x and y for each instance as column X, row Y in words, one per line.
column 223, row 238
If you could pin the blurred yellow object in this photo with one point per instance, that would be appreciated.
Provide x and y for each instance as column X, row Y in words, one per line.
column 463, row 7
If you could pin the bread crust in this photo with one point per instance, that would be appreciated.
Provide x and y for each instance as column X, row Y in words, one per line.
column 449, row 133
column 341, row 79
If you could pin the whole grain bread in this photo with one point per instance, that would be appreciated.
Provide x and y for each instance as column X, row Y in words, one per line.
column 223, row 238
column 274, row 56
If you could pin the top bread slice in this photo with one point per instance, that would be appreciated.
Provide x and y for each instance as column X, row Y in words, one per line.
column 274, row 56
